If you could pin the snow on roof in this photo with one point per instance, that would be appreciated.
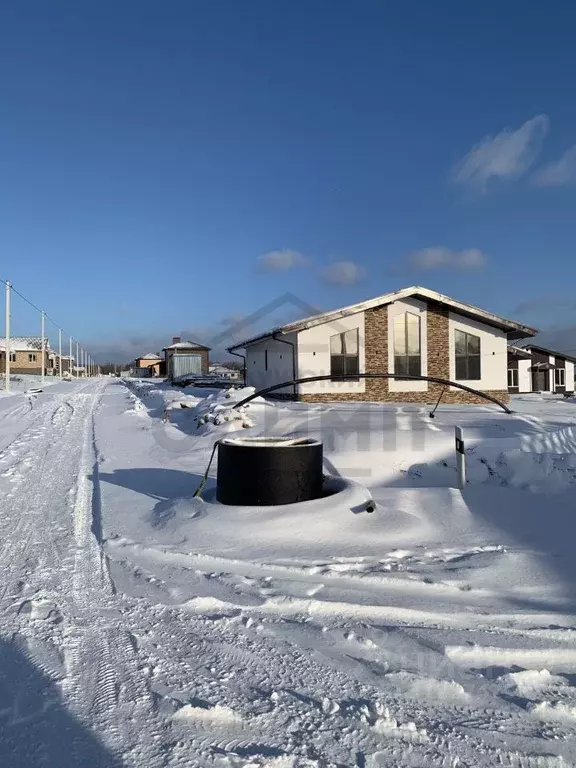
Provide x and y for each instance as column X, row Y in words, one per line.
column 186, row 345
column 150, row 356
column 24, row 343
column 514, row 329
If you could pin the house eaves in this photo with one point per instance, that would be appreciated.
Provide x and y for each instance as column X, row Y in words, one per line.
column 522, row 352
column 553, row 352
column 186, row 345
column 513, row 329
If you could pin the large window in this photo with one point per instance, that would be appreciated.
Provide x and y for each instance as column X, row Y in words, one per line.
column 512, row 377
column 407, row 345
column 560, row 377
column 467, row 356
column 344, row 354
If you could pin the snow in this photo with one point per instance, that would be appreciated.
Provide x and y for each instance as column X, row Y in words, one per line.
column 21, row 384
column 142, row 625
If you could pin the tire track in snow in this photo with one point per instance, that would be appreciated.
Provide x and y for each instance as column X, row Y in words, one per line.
column 104, row 686
column 50, row 552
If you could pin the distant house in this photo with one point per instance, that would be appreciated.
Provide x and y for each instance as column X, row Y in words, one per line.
column 223, row 372
column 66, row 362
column 150, row 364
column 411, row 332
column 532, row 368
column 183, row 357
column 55, row 361
column 25, row 355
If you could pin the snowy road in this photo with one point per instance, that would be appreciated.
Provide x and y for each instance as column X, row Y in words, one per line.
column 58, row 613
column 141, row 630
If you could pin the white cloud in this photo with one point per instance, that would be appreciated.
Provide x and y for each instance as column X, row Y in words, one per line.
column 280, row 260
column 343, row 273
column 557, row 174
column 438, row 257
column 507, row 155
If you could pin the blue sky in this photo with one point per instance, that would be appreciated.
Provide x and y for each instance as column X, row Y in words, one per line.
column 169, row 166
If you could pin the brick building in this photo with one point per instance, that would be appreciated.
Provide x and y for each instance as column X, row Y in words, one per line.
column 151, row 363
column 414, row 332
column 25, row 355
column 185, row 357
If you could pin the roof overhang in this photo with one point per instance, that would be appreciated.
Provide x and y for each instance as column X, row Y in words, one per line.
column 553, row 352
column 542, row 367
column 513, row 329
column 184, row 347
column 519, row 352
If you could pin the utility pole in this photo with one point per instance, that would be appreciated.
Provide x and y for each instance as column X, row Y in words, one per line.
column 60, row 352
column 70, row 360
column 77, row 359
column 43, row 351
column 7, row 339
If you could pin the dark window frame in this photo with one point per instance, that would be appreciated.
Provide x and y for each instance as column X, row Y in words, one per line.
column 345, row 364
column 265, row 359
column 466, row 364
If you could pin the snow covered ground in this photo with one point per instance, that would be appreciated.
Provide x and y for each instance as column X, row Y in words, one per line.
column 144, row 627
column 21, row 383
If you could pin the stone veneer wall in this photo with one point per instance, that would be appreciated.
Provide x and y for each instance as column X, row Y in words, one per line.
column 376, row 352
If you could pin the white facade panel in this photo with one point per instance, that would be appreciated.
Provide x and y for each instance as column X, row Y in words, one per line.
column 314, row 356
column 524, row 376
column 569, row 376
column 399, row 308
column 551, row 383
column 269, row 362
column 493, row 353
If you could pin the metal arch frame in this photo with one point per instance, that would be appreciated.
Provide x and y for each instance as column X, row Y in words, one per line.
column 433, row 379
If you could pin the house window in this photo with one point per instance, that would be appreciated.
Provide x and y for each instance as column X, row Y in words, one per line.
column 512, row 377
column 265, row 359
column 344, row 354
column 467, row 348
column 12, row 357
column 407, row 360
column 31, row 358
column 560, row 377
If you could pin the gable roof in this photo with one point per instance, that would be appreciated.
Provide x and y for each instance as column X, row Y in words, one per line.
column 554, row 352
column 186, row 345
column 149, row 356
column 24, row 344
column 512, row 328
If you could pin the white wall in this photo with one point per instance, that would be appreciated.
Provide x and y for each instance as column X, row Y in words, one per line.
column 314, row 355
column 279, row 363
column 417, row 308
column 524, row 376
column 493, row 352
column 569, row 376
column 551, row 385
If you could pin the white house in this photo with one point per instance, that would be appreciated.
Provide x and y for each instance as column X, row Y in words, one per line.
column 414, row 331
column 223, row 372
column 532, row 368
